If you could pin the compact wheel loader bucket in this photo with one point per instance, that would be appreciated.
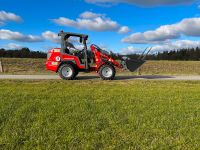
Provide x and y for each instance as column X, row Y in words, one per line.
column 133, row 65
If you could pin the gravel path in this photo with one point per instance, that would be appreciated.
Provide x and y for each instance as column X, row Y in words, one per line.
column 93, row 77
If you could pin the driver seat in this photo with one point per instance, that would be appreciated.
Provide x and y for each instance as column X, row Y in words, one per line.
column 67, row 51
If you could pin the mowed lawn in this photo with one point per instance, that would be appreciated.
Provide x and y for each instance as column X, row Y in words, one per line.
column 99, row 115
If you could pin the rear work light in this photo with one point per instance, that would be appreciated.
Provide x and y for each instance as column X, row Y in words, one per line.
column 54, row 63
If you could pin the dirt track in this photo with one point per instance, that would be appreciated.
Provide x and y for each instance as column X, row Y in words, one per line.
column 93, row 77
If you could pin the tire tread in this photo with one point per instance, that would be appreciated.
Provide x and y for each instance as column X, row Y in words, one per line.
column 101, row 75
column 73, row 72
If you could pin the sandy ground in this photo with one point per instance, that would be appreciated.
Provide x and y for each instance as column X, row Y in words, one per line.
column 93, row 77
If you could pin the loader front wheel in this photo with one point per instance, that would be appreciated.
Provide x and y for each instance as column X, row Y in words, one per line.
column 76, row 73
column 107, row 72
column 67, row 72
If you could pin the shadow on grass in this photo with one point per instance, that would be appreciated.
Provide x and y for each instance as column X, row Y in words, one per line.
column 87, row 77
column 149, row 77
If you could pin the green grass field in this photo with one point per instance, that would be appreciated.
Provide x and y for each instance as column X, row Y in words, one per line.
column 37, row 66
column 99, row 114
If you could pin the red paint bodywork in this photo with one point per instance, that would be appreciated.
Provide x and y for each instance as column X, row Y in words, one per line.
column 99, row 59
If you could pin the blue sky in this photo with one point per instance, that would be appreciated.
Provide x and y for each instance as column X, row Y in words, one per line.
column 165, row 24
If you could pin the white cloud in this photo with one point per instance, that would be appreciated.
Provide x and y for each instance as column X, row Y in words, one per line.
column 79, row 46
column 13, row 46
column 17, row 36
column 188, row 27
column 90, row 15
column 176, row 45
column 62, row 21
column 8, row 16
column 51, row 36
column 91, row 21
column 130, row 50
column 143, row 2
column 123, row 30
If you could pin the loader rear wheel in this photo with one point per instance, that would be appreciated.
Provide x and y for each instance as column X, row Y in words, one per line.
column 67, row 72
column 107, row 72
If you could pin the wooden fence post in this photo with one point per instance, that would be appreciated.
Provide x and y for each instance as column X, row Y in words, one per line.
column 139, row 72
column 1, row 66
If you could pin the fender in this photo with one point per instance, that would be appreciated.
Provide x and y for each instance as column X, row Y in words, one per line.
column 105, row 61
column 73, row 63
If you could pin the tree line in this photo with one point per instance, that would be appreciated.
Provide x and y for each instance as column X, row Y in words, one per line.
column 22, row 53
column 182, row 54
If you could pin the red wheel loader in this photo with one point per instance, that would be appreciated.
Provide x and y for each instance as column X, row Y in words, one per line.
column 68, row 64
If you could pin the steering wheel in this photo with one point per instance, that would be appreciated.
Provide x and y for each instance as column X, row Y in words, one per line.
column 80, row 53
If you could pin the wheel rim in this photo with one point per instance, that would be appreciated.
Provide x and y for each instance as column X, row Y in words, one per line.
column 107, row 72
column 67, row 72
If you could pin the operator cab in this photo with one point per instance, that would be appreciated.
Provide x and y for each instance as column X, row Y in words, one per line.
column 68, row 48
column 73, row 46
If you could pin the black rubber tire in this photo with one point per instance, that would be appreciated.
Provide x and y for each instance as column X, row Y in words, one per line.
column 76, row 73
column 72, row 76
column 101, row 72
